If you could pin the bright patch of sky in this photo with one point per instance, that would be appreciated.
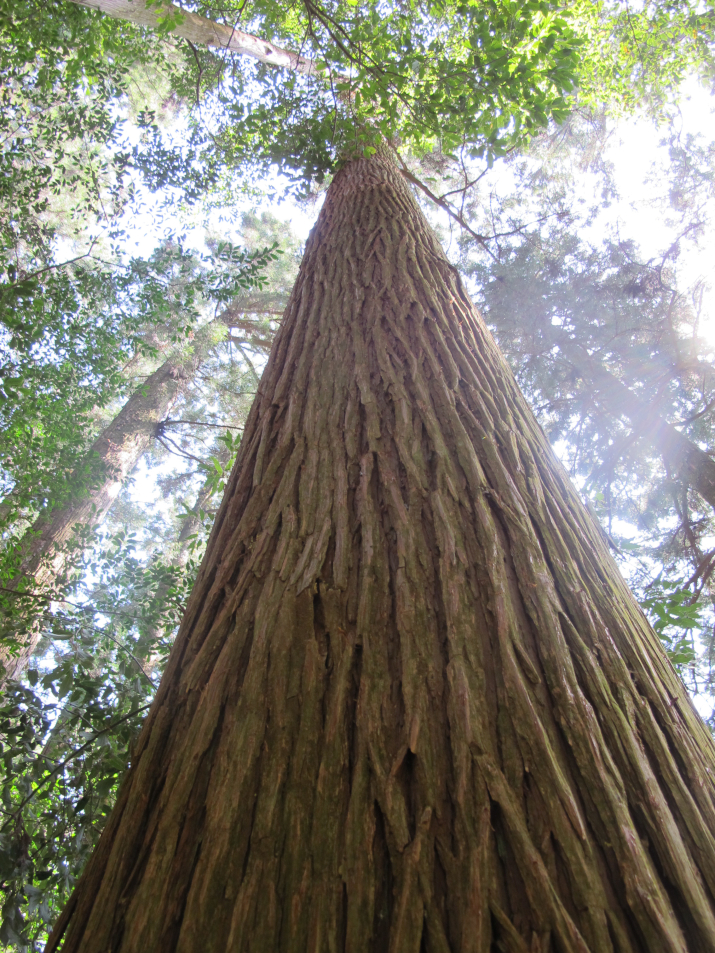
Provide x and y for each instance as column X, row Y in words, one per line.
column 637, row 156
column 636, row 151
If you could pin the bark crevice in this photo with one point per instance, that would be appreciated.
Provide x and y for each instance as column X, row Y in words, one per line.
column 447, row 726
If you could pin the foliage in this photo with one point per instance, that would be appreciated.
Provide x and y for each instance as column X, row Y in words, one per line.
column 62, row 353
column 69, row 328
column 419, row 75
column 84, row 109
column 69, row 344
column 637, row 56
column 64, row 70
column 445, row 83
column 461, row 78
column 66, row 747
column 675, row 615
column 571, row 314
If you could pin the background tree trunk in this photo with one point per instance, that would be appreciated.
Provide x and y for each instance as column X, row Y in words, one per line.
column 47, row 545
column 412, row 705
column 202, row 32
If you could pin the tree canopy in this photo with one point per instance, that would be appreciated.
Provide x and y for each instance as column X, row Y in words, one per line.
column 98, row 112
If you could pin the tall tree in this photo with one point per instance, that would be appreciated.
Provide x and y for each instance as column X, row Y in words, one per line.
column 412, row 704
column 52, row 540
column 34, row 570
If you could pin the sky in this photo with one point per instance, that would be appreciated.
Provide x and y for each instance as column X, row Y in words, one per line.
column 636, row 154
column 634, row 150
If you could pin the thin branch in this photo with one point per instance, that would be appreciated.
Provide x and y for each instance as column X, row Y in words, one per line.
column 467, row 185
column 61, row 264
column 78, row 751
column 482, row 239
column 178, row 452
column 689, row 420
column 200, row 69
column 201, row 423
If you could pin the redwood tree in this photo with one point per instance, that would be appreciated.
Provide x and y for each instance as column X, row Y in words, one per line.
column 412, row 705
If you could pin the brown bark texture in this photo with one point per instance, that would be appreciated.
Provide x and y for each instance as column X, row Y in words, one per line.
column 412, row 705
column 48, row 543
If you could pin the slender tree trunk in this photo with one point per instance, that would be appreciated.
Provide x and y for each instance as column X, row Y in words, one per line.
column 682, row 457
column 412, row 705
column 47, row 546
column 190, row 526
column 202, row 32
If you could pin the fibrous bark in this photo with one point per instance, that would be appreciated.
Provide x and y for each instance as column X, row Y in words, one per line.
column 412, row 705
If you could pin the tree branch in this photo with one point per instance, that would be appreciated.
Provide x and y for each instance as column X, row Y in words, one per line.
column 75, row 753
column 482, row 239
column 204, row 32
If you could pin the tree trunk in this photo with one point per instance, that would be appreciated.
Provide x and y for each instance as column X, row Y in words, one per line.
column 412, row 705
column 46, row 547
column 191, row 523
column 202, row 32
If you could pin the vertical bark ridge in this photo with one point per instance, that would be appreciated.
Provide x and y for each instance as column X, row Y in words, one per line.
column 412, row 706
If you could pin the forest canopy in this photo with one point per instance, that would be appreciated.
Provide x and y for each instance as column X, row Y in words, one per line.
column 126, row 376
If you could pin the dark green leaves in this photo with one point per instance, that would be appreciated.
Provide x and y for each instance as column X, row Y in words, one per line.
column 481, row 75
column 676, row 616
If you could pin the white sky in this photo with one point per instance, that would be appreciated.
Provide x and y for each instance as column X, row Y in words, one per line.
column 634, row 151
